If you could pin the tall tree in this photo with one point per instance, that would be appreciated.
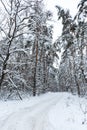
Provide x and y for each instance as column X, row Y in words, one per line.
column 14, row 21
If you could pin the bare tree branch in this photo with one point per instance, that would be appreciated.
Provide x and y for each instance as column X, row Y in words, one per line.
column 5, row 6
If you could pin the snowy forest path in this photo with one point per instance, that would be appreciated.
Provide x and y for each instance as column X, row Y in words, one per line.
column 34, row 117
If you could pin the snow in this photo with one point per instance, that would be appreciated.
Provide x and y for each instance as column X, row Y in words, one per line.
column 51, row 111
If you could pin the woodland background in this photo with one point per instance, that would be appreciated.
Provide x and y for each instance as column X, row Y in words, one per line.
column 28, row 54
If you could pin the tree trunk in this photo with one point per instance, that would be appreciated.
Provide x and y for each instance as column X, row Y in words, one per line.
column 34, row 81
column 35, row 68
column 4, row 67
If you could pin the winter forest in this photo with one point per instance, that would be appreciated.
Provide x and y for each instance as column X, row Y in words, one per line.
column 28, row 55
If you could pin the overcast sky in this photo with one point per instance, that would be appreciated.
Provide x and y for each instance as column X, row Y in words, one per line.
column 66, row 4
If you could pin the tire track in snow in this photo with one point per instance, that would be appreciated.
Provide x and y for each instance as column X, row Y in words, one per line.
column 31, row 118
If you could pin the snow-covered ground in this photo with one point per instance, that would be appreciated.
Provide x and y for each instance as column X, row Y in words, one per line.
column 51, row 111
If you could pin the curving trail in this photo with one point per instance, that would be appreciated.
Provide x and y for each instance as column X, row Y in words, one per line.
column 34, row 117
